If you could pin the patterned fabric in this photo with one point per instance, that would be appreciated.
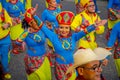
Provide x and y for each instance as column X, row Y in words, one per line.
column 60, row 70
column 113, row 5
column 33, row 63
column 112, row 14
column 42, row 73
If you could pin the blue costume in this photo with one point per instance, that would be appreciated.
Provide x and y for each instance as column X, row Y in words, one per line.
column 64, row 47
column 35, row 60
column 115, row 36
column 15, row 10
column 50, row 15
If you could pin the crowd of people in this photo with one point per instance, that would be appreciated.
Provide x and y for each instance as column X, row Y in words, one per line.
column 21, row 30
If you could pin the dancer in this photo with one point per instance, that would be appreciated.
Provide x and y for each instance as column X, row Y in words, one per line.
column 5, row 23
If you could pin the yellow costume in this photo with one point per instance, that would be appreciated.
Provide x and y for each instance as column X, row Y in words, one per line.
column 89, row 40
column 40, row 74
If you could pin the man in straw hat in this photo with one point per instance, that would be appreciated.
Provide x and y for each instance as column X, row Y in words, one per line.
column 87, row 62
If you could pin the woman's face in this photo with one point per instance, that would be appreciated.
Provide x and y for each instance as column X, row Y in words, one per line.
column 64, row 30
column 33, row 24
column 53, row 3
column 13, row 1
column 91, row 7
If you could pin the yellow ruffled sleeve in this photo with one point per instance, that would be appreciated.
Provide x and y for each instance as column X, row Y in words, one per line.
column 101, row 29
column 77, row 21
column 7, row 18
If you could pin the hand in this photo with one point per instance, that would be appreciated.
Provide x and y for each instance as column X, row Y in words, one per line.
column 18, row 20
column 118, row 16
column 34, row 10
column 100, row 23
column 49, row 25
column 5, row 26
column 105, row 62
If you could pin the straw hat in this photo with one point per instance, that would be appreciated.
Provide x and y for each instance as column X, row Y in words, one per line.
column 84, row 56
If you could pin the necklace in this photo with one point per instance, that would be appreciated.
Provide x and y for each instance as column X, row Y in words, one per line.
column 36, row 37
column 66, row 44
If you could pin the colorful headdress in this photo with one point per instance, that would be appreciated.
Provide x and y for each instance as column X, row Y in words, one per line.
column 28, row 15
column 85, row 2
column 65, row 18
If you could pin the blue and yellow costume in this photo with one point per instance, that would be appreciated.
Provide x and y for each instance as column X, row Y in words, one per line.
column 5, row 41
column 36, row 62
column 114, row 9
column 82, row 21
column 64, row 47
column 115, row 35
column 15, row 11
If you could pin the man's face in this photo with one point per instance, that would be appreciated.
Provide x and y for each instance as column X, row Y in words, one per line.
column 91, row 7
column 91, row 71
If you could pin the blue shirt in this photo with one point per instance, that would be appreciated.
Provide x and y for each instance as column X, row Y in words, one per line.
column 115, row 34
column 35, row 43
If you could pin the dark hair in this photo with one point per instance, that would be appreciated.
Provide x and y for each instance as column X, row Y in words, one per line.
column 25, row 25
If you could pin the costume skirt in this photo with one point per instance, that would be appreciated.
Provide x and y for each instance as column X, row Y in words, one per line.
column 37, row 68
column 60, row 72
column 16, row 31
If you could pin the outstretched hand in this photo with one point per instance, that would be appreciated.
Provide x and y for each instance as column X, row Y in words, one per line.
column 101, row 23
column 34, row 10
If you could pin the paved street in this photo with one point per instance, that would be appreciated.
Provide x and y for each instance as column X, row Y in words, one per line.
column 17, row 65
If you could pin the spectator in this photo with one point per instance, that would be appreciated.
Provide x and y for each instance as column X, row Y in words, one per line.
column 88, row 63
